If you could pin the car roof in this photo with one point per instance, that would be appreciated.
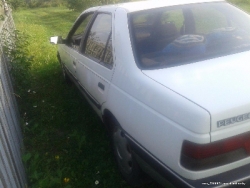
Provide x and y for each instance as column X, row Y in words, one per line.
column 150, row 4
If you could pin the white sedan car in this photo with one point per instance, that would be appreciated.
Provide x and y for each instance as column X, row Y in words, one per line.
column 171, row 81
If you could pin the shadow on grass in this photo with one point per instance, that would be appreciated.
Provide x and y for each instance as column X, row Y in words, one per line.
column 67, row 135
column 66, row 143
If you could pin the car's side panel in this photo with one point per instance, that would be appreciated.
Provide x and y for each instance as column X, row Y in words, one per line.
column 94, row 77
column 154, row 118
column 158, row 135
column 94, row 103
column 67, row 58
column 129, row 78
column 157, row 118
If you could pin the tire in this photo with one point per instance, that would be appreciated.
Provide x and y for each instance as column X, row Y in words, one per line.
column 66, row 77
column 125, row 159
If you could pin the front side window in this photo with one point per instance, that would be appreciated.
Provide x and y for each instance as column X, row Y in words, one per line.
column 78, row 31
column 99, row 40
column 179, row 35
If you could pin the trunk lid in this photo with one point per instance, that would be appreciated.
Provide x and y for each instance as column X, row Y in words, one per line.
column 220, row 85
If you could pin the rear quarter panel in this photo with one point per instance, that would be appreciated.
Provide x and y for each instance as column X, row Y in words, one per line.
column 154, row 116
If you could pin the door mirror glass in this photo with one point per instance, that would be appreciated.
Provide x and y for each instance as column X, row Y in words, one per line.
column 56, row 40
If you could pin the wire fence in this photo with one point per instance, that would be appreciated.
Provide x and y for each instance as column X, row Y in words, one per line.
column 12, row 174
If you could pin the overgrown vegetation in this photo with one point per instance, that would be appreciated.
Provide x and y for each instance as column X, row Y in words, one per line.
column 79, row 4
column 66, row 143
column 244, row 4
column 82, row 4
column 71, row 4
column 239, row 1
column 14, row 46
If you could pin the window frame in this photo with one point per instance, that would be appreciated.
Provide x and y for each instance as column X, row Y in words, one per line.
column 85, row 38
column 76, row 25
column 134, row 44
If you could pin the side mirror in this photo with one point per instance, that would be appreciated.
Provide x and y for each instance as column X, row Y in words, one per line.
column 56, row 40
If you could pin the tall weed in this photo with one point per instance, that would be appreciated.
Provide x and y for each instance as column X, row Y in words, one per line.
column 237, row 2
column 14, row 45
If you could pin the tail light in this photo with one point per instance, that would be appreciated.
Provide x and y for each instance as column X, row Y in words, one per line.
column 202, row 156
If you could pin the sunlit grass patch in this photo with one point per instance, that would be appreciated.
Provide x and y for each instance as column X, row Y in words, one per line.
column 66, row 144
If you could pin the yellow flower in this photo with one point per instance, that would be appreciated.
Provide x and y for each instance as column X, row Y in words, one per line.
column 66, row 180
column 57, row 157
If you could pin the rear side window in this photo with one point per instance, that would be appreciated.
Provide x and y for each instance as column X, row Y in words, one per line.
column 208, row 19
column 177, row 35
column 99, row 41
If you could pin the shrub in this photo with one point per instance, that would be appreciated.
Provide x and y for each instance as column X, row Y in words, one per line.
column 44, row 3
column 15, row 3
column 83, row 4
column 237, row 2
column 17, row 53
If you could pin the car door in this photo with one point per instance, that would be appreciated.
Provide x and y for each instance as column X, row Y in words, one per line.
column 95, row 66
column 70, row 51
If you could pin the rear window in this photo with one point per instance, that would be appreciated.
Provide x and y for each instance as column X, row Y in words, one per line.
column 179, row 35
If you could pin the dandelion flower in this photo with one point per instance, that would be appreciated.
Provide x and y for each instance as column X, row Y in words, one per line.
column 96, row 182
column 57, row 157
column 66, row 180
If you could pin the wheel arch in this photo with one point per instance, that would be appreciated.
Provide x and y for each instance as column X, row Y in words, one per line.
column 107, row 117
column 136, row 177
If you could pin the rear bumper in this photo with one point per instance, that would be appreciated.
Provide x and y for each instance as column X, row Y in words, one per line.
column 239, row 177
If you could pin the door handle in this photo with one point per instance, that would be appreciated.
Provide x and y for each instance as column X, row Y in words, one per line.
column 101, row 86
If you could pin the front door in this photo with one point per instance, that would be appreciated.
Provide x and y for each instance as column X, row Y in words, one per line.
column 71, row 51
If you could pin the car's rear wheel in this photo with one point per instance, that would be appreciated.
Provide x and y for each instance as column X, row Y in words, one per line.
column 125, row 159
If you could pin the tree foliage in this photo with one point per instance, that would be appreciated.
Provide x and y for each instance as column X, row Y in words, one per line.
column 82, row 4
column 79, row 4
column 71, row 4
column 15, row 3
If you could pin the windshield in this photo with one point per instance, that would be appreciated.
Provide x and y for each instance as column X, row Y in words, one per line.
column 178, row 35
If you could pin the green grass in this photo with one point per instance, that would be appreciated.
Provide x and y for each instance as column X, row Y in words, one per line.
column 243, row 4
column 65, row 142
column 64, row 138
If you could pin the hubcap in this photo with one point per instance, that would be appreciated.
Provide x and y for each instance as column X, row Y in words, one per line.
column 123, row 151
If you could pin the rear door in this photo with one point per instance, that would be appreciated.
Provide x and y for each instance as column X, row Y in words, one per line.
column 95, row 66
